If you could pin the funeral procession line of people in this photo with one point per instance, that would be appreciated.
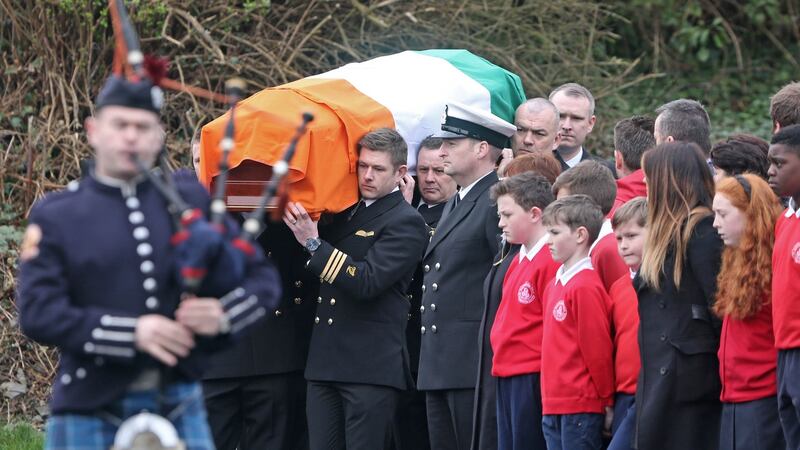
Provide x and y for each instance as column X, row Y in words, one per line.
column 518, row 293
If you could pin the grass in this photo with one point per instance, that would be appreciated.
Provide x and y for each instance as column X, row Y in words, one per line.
column 20, row 437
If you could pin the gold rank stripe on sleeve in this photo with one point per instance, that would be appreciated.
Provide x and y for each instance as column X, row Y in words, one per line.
column 336, row 267
column 328, row 264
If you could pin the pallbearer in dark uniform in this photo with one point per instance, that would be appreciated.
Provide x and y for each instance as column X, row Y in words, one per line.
column 457, row 260
column 98, row 279
column 358, row 360
column 255, row 391
column 435, row 188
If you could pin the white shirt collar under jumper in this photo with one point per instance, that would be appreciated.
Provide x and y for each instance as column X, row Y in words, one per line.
column 792, row 209
column 605, row 230
column 529, row 254
column 563, row 276
column 463, row 191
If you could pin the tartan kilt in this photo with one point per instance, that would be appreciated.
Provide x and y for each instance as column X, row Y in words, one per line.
column 96, row 431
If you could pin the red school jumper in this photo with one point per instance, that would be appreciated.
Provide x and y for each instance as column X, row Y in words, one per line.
column 577, row 363
column 628, row 188
column 786, row 280
column 748, row 358
column 625, row 320
column 516, row 334
column 606, row 261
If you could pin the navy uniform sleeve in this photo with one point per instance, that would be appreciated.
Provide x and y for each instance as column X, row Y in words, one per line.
column 47, row 313
column 260, row 291
column 395, row 253
column 492, row 229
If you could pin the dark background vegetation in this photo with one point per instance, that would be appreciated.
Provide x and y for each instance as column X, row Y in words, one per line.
column 634, row 55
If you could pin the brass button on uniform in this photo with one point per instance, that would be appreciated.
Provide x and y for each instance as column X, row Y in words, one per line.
column 319, row 299
column 433, row 328
column 298, row 300
column 330, row 321
column 316, row 319
column 663, row 337
column 427, row 268
column 437, row 266
column 422, row 330
column 435, row 287
column 278, row 313
column 298, row 284
column 663, row 371
column 421, row 308
column 423, row 288
column 433, row 306
column 333, row 301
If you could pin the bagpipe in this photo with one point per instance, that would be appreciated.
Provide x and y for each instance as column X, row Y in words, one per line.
column 201, row 243
column 210, row 259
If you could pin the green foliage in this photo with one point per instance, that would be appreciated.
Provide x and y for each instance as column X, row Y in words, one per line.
column 20, row 437
column 10, row 233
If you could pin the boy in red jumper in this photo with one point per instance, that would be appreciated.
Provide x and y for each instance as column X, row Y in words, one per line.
column 595, row 180
column 577, row 365
column 516, row 335
column 784, row 179
column 629, row 229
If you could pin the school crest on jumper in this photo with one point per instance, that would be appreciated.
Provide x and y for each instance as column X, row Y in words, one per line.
column 525, row 293
column 796, row 252
column 560, row 311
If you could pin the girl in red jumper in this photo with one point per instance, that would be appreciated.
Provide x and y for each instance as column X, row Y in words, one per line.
column 745, row 212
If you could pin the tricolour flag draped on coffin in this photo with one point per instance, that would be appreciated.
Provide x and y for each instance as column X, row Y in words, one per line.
column 406, row 91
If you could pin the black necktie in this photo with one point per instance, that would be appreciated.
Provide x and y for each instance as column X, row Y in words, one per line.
column 358, row 206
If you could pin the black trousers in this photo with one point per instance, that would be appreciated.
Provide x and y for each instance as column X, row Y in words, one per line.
column 350, row 416
column 411, row 422
column 450, row 418
column 257, row 413
column 789, row 395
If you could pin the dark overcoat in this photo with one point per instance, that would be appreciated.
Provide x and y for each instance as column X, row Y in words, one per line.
column 457, row 260
column 677, row 397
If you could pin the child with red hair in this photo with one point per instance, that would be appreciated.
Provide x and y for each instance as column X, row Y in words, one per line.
column 745, row 211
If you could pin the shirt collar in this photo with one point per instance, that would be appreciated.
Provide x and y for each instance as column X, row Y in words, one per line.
column 563, row 276
column 572, row 162
column 463, row 191
column 632, row 272
column 529, row 254
column 792, row 209
column 368, row 202
column 127, row 187
column 605, row 230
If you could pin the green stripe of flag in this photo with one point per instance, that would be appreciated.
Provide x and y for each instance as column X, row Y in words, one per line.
column 505, row 88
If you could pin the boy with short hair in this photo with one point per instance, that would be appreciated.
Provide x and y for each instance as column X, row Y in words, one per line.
column 516, row 334
column 595, row 180
column 784, row 179
column 577, row 365
column 629, row 229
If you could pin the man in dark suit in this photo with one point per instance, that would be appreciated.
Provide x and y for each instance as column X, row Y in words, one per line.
column 435, row 188
column 575, row 106
column 358, row 360
column 456, row 262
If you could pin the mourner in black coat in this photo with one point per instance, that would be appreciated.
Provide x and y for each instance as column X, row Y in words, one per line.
column 678, row 390
column 358, row 360
column 484, row 422
column 456, row 262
